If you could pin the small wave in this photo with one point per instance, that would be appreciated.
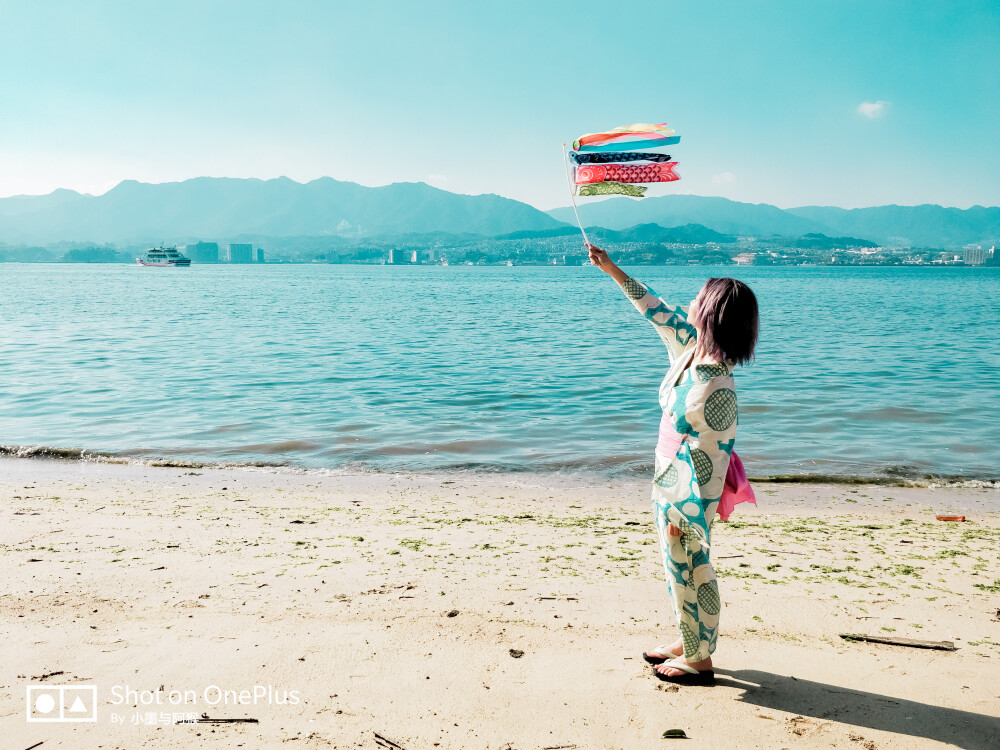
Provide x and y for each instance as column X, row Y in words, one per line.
column 927, row 480
column 900, row 414
column 286, row 446
column 454, row 446
column 46, row 452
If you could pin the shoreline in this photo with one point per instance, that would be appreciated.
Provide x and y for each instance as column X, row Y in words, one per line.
column 343, row 588
column 891, row 479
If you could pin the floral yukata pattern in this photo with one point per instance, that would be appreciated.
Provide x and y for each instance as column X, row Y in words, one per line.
column 700, row 401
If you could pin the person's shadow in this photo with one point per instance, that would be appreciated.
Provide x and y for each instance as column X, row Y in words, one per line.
column 950, row 726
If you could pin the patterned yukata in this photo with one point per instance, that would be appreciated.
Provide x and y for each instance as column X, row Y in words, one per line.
column 699, row 403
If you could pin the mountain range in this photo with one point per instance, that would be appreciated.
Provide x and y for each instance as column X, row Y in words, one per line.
column 224, row 209
column 214, row 207
column 926, row 225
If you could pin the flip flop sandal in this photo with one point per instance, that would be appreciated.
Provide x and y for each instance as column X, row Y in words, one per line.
column 659, row 655
column 691, row 675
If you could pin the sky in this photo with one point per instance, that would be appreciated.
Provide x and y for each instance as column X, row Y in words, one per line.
column 791, row 103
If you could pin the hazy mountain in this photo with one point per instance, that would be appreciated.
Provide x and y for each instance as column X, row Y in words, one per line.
column 209, row 208
column 536, row 234
column 223, row 209
column 720, row 214
column 822, row 242
column 927, row 225
column 694, row 234
column 24, row 204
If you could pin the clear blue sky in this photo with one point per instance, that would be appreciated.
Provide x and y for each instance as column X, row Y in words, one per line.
column 786, row 102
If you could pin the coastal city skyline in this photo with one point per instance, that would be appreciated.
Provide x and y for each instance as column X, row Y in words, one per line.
column 841, row 104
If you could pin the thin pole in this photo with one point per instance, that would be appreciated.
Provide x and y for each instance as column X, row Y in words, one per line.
column 572, row 195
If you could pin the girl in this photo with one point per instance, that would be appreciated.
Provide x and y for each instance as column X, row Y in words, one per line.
column 694, row 456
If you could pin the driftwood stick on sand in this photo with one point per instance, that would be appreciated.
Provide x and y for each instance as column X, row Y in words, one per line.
column 911, row 642
column 386, row 742
column 781, row 551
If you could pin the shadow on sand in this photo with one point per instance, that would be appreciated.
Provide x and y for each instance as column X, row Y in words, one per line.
column 953, row 727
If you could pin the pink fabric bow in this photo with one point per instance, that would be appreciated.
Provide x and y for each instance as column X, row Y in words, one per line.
column 737, row 488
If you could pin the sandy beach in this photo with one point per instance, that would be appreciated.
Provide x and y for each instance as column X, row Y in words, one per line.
column 483, row 611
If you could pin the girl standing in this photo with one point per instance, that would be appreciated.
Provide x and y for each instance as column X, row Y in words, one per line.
column 694, row 455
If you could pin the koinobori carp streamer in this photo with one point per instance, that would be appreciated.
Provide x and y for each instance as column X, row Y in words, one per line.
column 613, row 156
column 626, row 173
column 619, row 161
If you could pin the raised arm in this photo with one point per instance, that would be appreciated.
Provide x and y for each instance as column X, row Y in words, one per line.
column 670, row 321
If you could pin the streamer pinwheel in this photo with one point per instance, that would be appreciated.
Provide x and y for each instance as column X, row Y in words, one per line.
column 620, row 161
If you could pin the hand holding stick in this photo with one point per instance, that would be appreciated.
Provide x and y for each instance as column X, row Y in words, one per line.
column 600, row 258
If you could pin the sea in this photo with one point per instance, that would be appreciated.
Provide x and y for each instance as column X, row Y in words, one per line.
column 862, row 373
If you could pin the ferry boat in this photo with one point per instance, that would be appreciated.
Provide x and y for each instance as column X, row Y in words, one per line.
column 163, row 256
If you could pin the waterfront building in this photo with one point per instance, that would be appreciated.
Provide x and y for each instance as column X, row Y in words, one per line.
column 974, row 255
column 203, row 252
column 398, row 256
column 240, row 253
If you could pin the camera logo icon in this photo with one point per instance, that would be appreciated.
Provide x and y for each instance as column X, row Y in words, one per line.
column 62, row 703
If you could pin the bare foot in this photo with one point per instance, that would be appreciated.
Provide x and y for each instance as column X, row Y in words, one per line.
column 665, row 668
column 676, row 649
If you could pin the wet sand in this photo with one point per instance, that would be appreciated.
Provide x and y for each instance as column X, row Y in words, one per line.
column 484, row 611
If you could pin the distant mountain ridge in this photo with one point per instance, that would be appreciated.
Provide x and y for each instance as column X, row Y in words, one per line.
column 223, row 209
column 218, row 207
column 693, row 234
column 927, row 225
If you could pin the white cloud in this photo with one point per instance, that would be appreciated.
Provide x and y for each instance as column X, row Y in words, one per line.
column 871, row 110
column 435, row 179
column 723, row 178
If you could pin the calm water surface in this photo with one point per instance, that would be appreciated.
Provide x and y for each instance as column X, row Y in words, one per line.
column 860, row 371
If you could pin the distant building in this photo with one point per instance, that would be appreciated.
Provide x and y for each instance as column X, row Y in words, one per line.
column 398, row 256
column 260, row 255
column 241, row 253
column 745, row 259
column 203, row 252
column 974, row 255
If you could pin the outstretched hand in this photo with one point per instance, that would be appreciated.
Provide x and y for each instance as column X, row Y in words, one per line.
column 600, row 258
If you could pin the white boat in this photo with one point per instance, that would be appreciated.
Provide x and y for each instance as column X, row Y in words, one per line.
column 163, row 256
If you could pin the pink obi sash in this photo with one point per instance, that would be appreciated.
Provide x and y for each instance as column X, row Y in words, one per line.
column 737, row 488
column 670, row 439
